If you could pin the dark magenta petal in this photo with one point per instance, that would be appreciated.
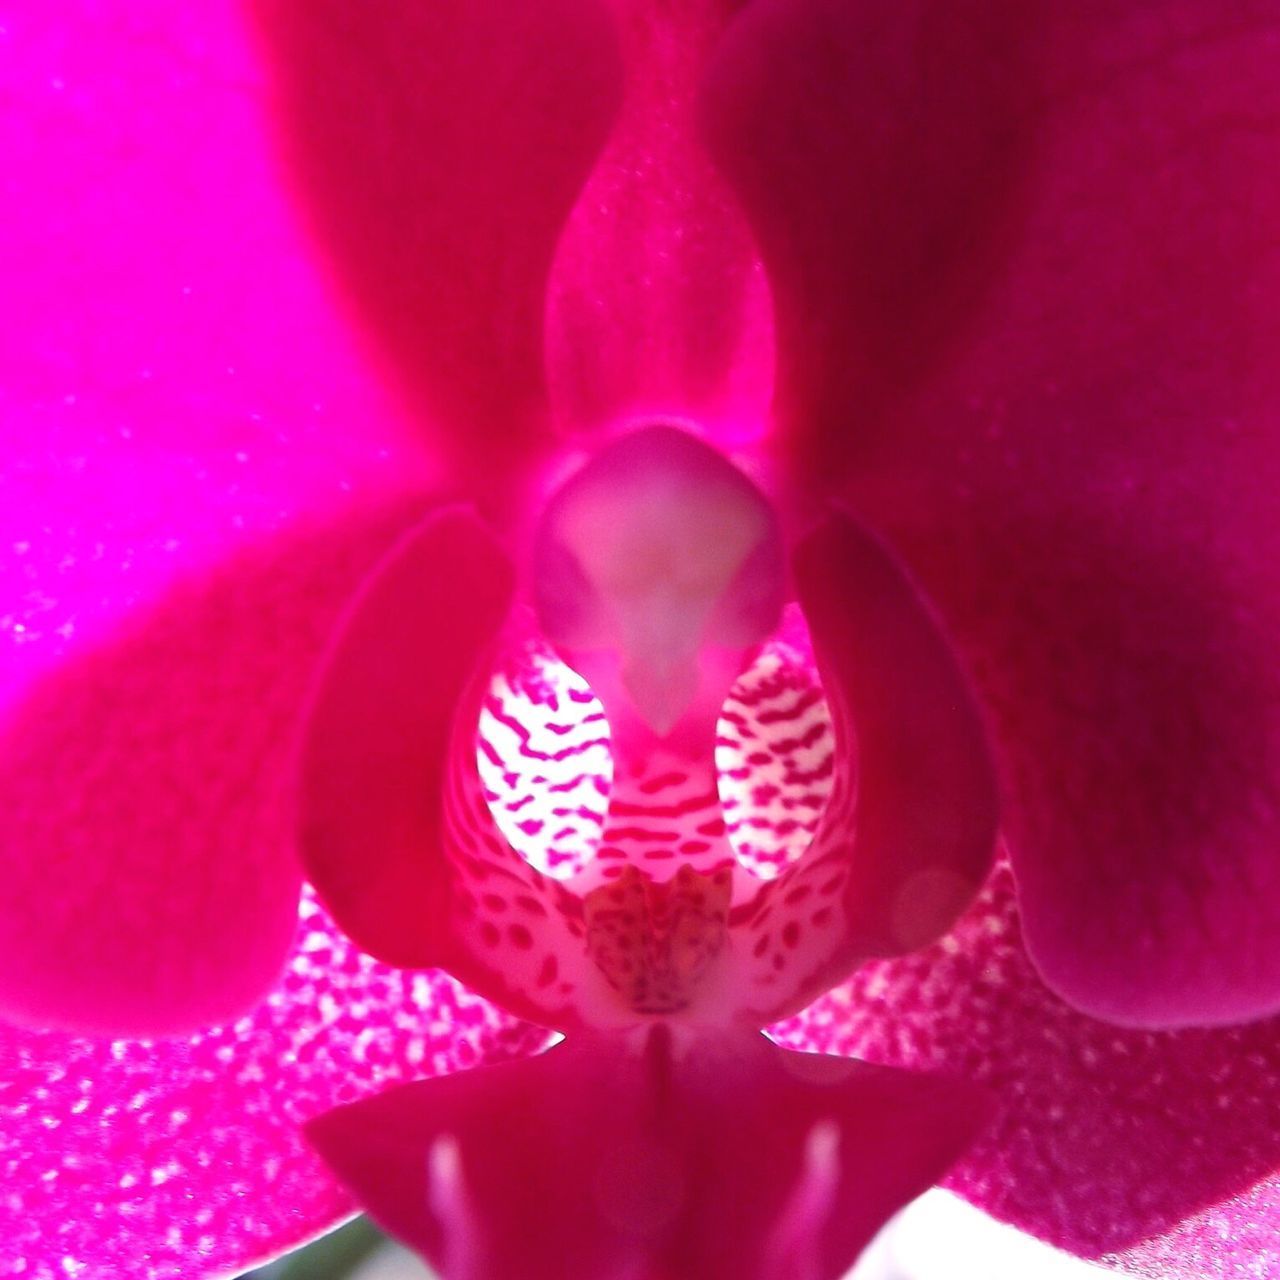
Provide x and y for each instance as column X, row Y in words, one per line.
column 720, row 1160
column 375, row 757
column 909, row 830
column 1157, row 1149
column 146, row 1160
column 1078, row 460
column 439, row 149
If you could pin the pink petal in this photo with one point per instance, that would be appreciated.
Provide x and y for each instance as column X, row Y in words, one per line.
column 908, row 833
column 150, row 881
column 658, row 305
column 1026, row 292
column 178, row 523
column 439, row 149
column 182, row 1158
column 1156, row 1149
column 730, row 1159
column 158, row 290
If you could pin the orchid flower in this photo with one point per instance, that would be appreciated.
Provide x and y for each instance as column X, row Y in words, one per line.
column 648, row 523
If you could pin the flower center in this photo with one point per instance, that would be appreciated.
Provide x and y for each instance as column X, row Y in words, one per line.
column 656, row 568
column 654, row 941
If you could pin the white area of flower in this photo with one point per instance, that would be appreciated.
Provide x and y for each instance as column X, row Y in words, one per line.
column 545, row 763
column 940, row 1237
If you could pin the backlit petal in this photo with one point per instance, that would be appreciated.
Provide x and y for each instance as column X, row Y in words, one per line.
column 439, row 149
column 178, row 520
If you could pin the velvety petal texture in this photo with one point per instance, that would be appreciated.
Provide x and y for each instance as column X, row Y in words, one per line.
column 657, row 303
column 180, row 519
column 718, row 1160
column 168, row 1159
column 1030, row 323
column 439, row 149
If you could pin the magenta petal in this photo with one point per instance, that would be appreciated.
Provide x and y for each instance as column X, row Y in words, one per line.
column 1081, row 469
column 375, row 759
column 183, row 1158
column 156, row 281
column 178, row 522
column 439, row 149
column 721, row 1161
column 150, row 881
column 874, row 147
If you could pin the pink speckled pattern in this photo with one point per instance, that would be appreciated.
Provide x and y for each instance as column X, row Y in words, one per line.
column 161, row 1160
column 1106, row 1138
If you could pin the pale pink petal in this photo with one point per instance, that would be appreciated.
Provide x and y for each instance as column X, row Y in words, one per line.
column 439, row 149
column 1139, row 1146
column 726, row 1160
column 176, row 1159
column 1026, row 284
